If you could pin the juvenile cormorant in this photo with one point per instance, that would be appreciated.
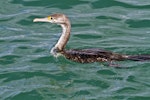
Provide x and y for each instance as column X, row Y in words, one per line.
column 84, row 55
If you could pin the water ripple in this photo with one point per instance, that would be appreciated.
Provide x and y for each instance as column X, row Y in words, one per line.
column 28, row 71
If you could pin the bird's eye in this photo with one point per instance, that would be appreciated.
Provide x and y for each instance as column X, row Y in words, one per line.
column 50, row 18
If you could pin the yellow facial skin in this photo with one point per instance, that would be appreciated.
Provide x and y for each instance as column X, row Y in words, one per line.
column 49, row 17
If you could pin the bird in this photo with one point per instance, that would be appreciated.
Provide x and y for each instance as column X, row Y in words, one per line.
column 83, row 55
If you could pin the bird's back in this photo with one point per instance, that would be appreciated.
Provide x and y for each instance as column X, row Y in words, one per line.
column 91, row 55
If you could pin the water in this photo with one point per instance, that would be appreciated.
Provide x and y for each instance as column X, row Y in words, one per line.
column 29, row 72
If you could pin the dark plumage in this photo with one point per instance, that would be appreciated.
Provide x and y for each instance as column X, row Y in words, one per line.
column 92, row 55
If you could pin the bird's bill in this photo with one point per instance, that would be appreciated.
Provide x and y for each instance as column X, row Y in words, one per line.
column 40, row 20
column 47, row 19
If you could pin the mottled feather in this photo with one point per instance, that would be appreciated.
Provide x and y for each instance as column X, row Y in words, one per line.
column 91, row 55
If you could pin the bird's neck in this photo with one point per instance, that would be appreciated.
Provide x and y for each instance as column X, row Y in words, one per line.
column 60, row 45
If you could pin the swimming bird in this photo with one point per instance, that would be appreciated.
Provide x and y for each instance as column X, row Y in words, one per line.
column 84, row 55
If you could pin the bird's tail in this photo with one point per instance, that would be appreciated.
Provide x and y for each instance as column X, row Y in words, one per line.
column 139, row 57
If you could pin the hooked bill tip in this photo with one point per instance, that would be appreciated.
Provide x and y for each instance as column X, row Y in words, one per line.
column 35, row 20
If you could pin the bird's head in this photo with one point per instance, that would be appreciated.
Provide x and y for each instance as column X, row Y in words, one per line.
column 62, row 20
column 55, row 18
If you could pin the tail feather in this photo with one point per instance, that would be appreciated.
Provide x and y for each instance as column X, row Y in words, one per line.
column 139, row 57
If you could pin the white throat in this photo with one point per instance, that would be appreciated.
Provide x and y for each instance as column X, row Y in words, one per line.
column 60, row 45
column 62, row 40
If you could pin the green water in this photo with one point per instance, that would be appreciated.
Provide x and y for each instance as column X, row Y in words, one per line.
column 29, row 72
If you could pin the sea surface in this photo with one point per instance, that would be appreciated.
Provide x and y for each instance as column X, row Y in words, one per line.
column 29, row 72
